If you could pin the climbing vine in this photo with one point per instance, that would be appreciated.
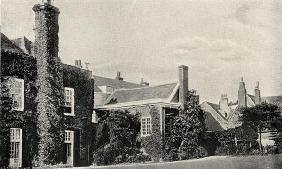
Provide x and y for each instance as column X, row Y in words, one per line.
column 22, row 67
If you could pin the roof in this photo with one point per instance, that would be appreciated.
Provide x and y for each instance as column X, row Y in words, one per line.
column 143, row 93
column 216, row 107
column 116, row 84
column 212, row 124
column 252, row 97
column 24, row 44
column 8, row 46
column 277, row 100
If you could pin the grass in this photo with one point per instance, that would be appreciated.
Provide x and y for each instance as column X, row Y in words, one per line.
column 214, row 162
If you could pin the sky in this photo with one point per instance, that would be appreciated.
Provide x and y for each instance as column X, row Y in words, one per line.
column 221, row 41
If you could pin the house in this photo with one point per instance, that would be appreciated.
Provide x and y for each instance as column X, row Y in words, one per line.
column 48, row 119
column 226, row 114
column 156, row 105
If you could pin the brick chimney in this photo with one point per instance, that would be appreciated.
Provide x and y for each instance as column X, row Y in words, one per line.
column 50, row 83
column 78, row 63
column 118, row 77
column 242, row 94
column 223, row 103
column 257, row 94
column 183, row 85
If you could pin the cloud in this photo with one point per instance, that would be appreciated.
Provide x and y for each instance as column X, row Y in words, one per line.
column 241, row 14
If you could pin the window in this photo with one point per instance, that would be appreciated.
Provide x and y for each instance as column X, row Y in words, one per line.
column 16, row 147
column 94, row 117
column 69, row 101
column 146, row 127
column 69, row 146
column 16, row 90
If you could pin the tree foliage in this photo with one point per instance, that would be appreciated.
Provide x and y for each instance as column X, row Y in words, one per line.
column 116, row 137
column 187, row 129
column 261, row 117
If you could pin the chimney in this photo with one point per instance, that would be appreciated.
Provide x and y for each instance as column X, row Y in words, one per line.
column 118, row 77
column 78, row 63
column 183, row 85
column 242, row 94
column 49, row 92
column 87, row 65
column 223, row 103
column 143, row 83
column 257, row 94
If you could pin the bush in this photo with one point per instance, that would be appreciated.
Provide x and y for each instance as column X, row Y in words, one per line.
column 116, row 137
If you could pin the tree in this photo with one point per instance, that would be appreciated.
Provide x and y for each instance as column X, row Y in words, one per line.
column 116, row 136
column 187, row 129
column 261, row 117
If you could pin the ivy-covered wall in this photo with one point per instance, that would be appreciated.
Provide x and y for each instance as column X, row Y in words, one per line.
column 82, row 83
column 22, row 67
column 153, row 144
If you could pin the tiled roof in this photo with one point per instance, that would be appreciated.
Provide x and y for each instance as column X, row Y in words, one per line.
column 273, row 100
column 8, row 46
column 252, row 97
column 116, row 84
column 212, row 124
column 216, row 108
column 24, row 44
column 143, row 93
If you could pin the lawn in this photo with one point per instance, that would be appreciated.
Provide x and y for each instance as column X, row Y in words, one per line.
column 214, row 162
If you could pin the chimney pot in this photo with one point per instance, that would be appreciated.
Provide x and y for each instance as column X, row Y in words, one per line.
column 78, row 63
column 118, row 77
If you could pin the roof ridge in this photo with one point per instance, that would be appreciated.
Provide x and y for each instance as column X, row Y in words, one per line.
column 144, row 87
column 115, row 79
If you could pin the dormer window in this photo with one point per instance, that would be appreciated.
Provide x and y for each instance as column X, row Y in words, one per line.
column 69, row 101
column 107, row 89
column 16, row 91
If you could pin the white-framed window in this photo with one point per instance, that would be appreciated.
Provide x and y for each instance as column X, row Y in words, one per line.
column 69, row 101
column 94, row 117
column 15, row 147
column 146, row 126
column 16, row 91
column 69, row 141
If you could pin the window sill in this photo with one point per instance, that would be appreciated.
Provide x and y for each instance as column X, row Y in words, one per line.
column 13, row 109
column 69, row 114
column 146, row 135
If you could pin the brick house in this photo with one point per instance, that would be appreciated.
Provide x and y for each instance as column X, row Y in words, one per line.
column 165, row 100
column 50, row 100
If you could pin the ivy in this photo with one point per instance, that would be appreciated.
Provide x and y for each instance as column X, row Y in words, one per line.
column 153, row 144
column 116, row 137
column 187, row 130
column 23, row 67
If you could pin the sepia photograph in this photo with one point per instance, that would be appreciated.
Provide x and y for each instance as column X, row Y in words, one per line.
column 141, row 84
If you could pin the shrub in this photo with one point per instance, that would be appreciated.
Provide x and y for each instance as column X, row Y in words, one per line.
column 116, row 137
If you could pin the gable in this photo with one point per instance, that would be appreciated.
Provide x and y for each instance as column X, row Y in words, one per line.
column 8, row 46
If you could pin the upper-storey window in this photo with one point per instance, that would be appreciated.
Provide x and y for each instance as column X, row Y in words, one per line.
column 69, row 101
column 16, row 90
